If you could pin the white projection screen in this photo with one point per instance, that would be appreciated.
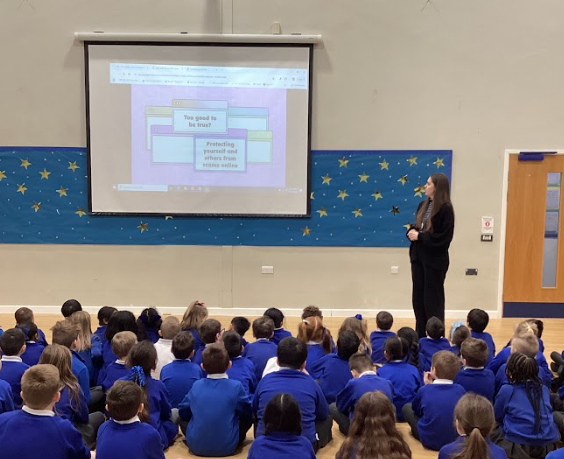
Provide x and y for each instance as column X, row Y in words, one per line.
column 198, row 129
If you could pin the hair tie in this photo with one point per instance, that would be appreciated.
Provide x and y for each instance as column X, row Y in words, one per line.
column 305, row 321
column 138, row 375
column 358, row 316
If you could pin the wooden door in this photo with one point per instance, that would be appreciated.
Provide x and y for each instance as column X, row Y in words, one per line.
column 529, row 234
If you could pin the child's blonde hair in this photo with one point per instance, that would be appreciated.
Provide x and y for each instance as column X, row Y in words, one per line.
column 81, row 319
column 312, row 329
column 61, row 357
column 359, row 327
column 195, row 315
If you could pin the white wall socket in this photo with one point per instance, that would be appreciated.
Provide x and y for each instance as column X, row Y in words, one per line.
column 267, row 269
column 394, row 269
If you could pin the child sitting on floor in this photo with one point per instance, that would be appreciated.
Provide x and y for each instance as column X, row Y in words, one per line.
column 278, row 318
column 12, row 343
column 474, row 377
column 434, row 342
column 122, row 343
column 384, row 322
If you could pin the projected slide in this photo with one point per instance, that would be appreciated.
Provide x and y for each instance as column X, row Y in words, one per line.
column 206, row 139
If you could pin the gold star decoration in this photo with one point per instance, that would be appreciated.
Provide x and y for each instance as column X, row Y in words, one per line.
column 306, row 231
column 343, row 162
column 419, row 190
column 395, row 210
column 377, row 195
column 36, row 206
column 62, row 192
column 384, row 165
column 168, row 217
column 403, row 179
column 322, row 212
column 439, row 162
column 407, row 226
column 412, row 160
column 326, row 180
column 80, row 212
column 25, row 163
column 363, row 177
column 45, row 174
column 72, row 166
column 357, row 213
column 342, row 194
column 21, row 189
column 311, row 195
column 2, row 175
column 143, row 227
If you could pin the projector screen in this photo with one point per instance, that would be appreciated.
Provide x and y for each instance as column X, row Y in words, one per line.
column 198, row 129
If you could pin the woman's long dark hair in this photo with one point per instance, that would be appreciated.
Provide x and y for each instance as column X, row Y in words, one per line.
column 441, row 198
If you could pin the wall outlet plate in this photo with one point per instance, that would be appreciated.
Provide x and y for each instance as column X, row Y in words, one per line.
column 267, row 269
column 471, row 272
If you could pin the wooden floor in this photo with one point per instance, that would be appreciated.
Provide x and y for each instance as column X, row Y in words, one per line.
column 501, row 330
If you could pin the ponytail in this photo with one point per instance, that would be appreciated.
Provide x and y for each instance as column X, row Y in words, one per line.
column 475, row 447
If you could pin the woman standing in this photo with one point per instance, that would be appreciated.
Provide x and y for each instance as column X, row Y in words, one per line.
column 430, row 239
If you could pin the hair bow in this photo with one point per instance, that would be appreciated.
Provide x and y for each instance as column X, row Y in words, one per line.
column 138, row 375
column 358, row 316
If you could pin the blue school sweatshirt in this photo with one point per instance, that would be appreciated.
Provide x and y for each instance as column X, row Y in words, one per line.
column 78, row 368
column 92, row 358
column 332, row 373
column 244, row 371
column 197, row 341
column 315, row 352
column 133, row 440
column 428, row 347
column 357, row 387
column 377, row 340
column 159, row 410
column 114, row 371
column 33, row 351
column 6, row 397
column 213, row 408
column 279, row 335
column 42, row 340
column 67, row 408
column 434, row 404
column 406, row 380
column 453, row 448
column 305, row 390
column 101, row 333
column 281, row 445
column 481, row 381
column 178, row 377
column 259, row 352
column 558, row 454
column 514, row 412
column 33, row 436
column 489, row 341
column 12, row 371
column 108, row 357
column 244, row 342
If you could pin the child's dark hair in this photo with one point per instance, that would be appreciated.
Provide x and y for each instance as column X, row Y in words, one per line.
column 232, row 343
column 410, row 335
column 263, row 327
column 291, row 353
column 215, row 359
column 182, row 345
column 148, row 319
column 475, row 416
column 361, row 362
column 209, row 330
column 540, row 326
column 241, row 325
column 142, row 359
column 460, row 334
column 475, row 352
column 435, row 328
column 276, row 315
column 525, row 370
column 384, row 320
column 23, row 316
column 478, row 320
column 446, row 365
column 32, row 332
column 311, row 311
column 121, row 321
column 104, row 314
column 347, row 344
column 396, row 348
column 69, row 307
column 123, row 400
column 11, row 341
column 282, row 414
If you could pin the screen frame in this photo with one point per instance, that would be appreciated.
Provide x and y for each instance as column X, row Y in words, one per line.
column 310, row 46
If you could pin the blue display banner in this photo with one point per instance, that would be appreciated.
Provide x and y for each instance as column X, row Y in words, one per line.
column 358, row 199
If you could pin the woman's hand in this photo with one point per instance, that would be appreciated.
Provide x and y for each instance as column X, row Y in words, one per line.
column 413, row 235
